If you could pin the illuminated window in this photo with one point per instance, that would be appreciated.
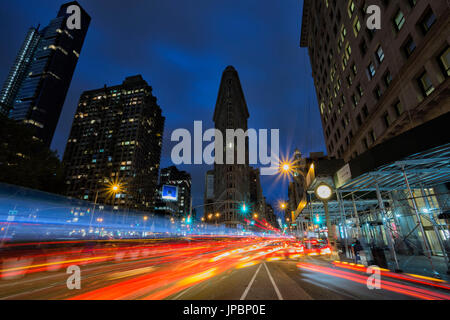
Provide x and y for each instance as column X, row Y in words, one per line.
column 356, row 26
column 399, row 20
column 351, row 8
column 380, row 54
column 425, row 84
column 444, row 61
column 371, row 71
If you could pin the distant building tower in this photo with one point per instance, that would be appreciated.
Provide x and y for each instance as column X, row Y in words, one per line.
column 270, row 215
column 116, row 136
column 182, row 180
column 18, row 71
column 35, row 95
column 256, row 203
column 209, row 211
column 231, row 185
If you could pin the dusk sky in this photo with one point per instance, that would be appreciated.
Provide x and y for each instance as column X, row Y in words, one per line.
column 181, row 49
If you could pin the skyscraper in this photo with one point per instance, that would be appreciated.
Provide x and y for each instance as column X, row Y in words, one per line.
column 18, row 71
column 231, row 184
column 37, row 86
column 256, row 202
column 116, row 138
column 374, row 85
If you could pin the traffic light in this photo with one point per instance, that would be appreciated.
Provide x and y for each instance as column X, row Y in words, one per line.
column 317, row 219
column 244, row 208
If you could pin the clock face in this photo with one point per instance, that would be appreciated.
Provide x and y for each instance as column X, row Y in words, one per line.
column 323, row 192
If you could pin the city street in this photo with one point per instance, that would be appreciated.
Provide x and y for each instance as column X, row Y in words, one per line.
column 198, row 269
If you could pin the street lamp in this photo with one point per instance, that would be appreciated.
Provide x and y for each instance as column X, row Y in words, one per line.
column 324, row 193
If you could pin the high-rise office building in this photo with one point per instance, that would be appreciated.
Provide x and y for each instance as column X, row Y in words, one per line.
column 231, row 185
column 374, row 85
column 270, row 215
column 208, row 197
column 256, row 203
column 116, row 138
column 36, row 88
column 18, row 71
column 182, row 180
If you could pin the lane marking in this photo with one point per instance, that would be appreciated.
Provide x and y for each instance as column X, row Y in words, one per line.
column 244, row 295
column 182, row 293
column 273, row 283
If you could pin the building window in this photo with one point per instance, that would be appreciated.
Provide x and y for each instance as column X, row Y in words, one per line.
column 356, row 26
column 412, row 3
column 409, row 47
column 373, row 136
column 360, row 90
column 427, row 21
column 377, row 93
column 380, row 54
column 355, row 100
column 363, row 47
column 365, row 111
column 354, row 70
column 349, row 80
column 359, row 120
column 365, row 144
column 387, row 120
column 351, row 8
column 371, row 71
column 399, row 20
column 398, row 108
column 348, row 49
column 444, row 62
column 387, row 78
column 425, row 84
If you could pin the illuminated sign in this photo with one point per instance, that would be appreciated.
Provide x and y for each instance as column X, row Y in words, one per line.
column 170, row 193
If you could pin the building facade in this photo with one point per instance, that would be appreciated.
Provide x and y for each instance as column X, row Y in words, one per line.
column 271, row 216
column 45, row 65
column 257, row 202
column 231, row 181
column 116, row 139
column 208, row 197
column 174, row 177
column 374, row 85
column 18, row 71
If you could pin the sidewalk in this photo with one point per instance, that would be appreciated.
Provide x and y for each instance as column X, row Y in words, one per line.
column 419, row 265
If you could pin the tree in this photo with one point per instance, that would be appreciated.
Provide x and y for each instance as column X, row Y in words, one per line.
column 26, row 161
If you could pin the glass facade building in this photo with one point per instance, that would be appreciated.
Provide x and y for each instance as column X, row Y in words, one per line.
column 39, row 95
column 18, row 71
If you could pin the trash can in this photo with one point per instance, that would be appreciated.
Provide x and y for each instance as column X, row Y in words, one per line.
column 379, row 258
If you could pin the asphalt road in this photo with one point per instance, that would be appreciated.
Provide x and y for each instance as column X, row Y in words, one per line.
column 199, row 270
column 282, row 280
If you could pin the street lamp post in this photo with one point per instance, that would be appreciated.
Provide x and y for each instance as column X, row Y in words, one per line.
column 324, row 193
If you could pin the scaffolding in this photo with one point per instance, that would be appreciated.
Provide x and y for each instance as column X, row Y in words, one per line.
column 400, row 208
